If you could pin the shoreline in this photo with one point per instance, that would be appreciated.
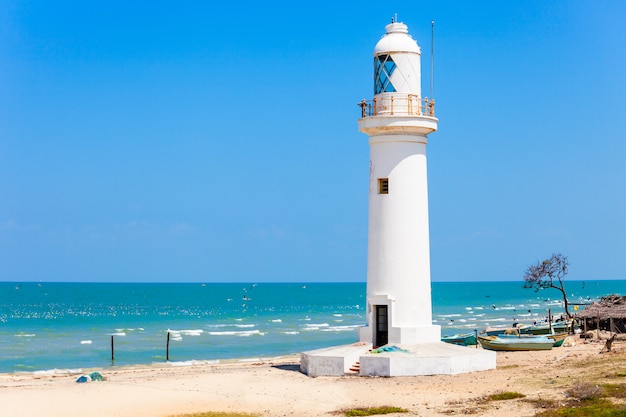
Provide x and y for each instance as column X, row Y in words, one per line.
column 276, row 387
column 58, row 372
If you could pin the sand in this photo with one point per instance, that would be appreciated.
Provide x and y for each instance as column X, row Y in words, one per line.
column 277, row 388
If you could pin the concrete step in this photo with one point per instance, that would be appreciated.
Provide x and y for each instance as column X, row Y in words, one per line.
column 355, row 368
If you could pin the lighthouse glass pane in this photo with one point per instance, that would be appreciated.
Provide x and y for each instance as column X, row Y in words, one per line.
column 383, row 68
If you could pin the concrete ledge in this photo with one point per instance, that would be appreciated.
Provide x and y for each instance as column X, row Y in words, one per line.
column 332, row 361
column 411, row 360
column 427, row 359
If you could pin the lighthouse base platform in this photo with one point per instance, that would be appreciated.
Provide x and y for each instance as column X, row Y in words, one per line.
column 437, row 358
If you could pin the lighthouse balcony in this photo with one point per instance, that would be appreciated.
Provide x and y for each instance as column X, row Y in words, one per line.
column 396, row 104
column 398, row 114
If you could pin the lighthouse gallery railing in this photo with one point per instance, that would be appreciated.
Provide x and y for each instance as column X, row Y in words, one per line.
column 398, row 105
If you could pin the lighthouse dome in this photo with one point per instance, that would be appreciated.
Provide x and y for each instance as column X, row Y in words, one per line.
column 397, row 39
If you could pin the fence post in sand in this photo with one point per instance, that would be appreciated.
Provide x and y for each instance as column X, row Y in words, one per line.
column 112, row 350
column 167, row 347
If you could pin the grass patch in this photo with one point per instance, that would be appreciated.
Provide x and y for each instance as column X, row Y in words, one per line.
column 501, row 396
column 217, row 414
column 543, row 403
column 588, row 408
column 614, row 390
column 583, row 391
column 373, row 411
column 508, row 367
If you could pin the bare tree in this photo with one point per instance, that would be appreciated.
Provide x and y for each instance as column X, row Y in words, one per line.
column 549, row 273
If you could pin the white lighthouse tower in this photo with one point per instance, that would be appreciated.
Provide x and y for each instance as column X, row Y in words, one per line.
column 398, row 121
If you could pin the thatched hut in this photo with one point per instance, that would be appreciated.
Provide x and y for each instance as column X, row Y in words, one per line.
column 607, row 314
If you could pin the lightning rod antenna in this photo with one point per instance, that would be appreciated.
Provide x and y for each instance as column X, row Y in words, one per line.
column 432, row 58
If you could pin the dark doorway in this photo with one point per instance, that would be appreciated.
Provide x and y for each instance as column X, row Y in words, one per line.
column 382, row 332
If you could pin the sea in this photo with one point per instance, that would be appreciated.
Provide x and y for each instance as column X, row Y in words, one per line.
column 65, row 327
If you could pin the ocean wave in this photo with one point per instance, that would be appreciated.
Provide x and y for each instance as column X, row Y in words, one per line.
column 276, row 321
column 340, row 328
column 48, row 372
column 86, row 342
column 25, row 335
column 224, row 325
column 117, row 334
column 176, row 333
column 193, row 362
column 293, row 332
column 238, row 333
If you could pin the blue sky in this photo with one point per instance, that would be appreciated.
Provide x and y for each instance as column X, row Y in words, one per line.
column 191, row 141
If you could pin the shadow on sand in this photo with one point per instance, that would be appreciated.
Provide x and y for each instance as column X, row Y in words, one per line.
column 293, row 367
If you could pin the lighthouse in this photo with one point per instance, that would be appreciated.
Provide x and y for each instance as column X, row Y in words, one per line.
column 399, row 338
column 398, row 121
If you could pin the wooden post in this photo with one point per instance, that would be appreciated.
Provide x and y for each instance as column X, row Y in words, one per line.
column 112, row 350
column 167, row 347
column 550, row 321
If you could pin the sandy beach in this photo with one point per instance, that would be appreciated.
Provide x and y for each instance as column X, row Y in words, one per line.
column 277, row 388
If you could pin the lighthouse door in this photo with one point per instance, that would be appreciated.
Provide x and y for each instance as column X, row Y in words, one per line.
column 381, row 325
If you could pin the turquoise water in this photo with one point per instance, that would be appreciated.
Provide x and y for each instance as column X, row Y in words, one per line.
column 45, row 326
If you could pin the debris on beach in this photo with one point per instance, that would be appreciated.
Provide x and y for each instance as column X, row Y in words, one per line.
column 94, row 376
column 388, row 349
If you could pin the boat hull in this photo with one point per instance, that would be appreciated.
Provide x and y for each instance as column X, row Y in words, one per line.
column 509, row 344
column 557, row 338
column 468, row 339
column 559, row 327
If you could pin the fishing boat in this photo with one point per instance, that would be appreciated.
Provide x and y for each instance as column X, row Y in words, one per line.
column 538, row 329
column 467, row 339
column 557, row 338
column 495, row 331
column 513, row 343
column 559, row 325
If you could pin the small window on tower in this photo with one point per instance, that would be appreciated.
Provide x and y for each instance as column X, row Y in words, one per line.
column 383, row 186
